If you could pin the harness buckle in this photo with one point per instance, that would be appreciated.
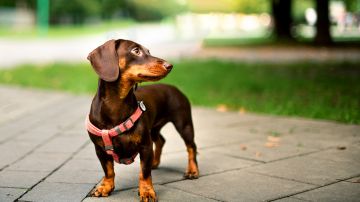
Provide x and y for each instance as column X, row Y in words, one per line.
column 125, row 124
column 109, row 147
column 142, row 106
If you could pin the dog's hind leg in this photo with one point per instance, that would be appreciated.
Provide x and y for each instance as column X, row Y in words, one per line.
column 159, row 143
column 184, row 126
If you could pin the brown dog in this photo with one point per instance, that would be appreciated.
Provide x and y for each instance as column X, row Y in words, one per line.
column 121, row 64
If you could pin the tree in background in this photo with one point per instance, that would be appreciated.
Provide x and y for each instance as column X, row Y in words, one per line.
column 281, row 11
column 323, row 36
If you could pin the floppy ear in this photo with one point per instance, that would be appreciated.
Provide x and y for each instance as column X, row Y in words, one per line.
column 105, row 61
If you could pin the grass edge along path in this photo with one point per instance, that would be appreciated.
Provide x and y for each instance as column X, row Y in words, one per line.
column 313, row 90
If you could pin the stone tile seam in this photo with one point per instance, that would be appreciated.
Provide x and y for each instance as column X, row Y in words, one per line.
column 32, row 150
column 28, row 153
column 196, row 194
column 205, row 175
column 301, row 199
column 282, row 178
column 24, row 188
column 56, row 169
column 300, row 155
column 53, row 114
column 43, row 106
column 173, row 181
column 317, row 187
column 227, row 144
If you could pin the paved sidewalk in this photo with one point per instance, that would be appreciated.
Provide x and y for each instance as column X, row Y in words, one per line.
column 45, row 155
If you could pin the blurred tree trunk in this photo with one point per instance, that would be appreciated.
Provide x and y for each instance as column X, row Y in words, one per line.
column 323, row 36
column 281, row 11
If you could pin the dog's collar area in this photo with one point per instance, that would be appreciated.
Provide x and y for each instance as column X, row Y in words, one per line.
column 117, row 130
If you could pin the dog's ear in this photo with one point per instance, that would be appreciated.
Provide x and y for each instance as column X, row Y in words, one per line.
column 104, row 60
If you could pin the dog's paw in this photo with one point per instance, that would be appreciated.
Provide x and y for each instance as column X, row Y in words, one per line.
column 192, row 172
column 104, row 189
column 191, row 175
column 147, row 195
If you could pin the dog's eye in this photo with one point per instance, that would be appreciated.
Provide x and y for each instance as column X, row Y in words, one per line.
column 136, row 51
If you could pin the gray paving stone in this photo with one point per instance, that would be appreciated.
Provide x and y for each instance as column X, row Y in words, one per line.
column 82, row 164
column 88, row 152
column 10, row 194
column 259, row 151
column 209, row 162
column 75, row 176
column 63, row 144
column 305, row 133
column 341, row 191
column 290, row 199
column 40, row 162
column 13, row 150
column 20, row 179
column 27, row 122
column 33, row 100
column 78, row 171
column 164, row 193
column 173, row 166
column 58, row 131
column 204, row 138
column 206, row 117
column 310, row 170
column 46, row 191
column 240, row 186
column 349, row 154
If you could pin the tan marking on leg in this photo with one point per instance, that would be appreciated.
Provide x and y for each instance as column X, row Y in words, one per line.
column 192, row 171
column 146, row 189
column 157, row 153
column 107, row 183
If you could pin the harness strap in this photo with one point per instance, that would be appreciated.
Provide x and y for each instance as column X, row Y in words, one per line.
column 106, row 135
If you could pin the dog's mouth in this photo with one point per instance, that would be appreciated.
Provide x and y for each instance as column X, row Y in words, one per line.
column 151, row 77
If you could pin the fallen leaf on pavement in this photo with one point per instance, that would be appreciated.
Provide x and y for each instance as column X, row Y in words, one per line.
column 341, row 147
column 271, row 144
column 273, row 139
column 222, row 108
column 243, row 147
column 258, row 154
column 242, row 110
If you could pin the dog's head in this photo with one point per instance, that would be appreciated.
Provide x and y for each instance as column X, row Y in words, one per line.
column 129, row 60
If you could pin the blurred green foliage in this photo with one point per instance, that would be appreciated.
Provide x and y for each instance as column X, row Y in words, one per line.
column 327, row 90
column 243, row 6
column 149, row 10
column 352, row 5
column 80, row 11
column 298, row 9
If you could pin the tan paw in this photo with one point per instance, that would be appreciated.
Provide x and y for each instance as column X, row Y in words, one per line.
column 192, row 172
column 104, row 189
column 147, row 195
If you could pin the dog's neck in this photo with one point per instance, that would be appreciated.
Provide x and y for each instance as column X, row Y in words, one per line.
column 117, row 100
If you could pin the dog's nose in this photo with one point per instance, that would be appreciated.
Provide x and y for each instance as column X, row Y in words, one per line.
column 168, row 66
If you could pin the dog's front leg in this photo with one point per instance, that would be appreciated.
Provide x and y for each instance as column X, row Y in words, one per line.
column 107, row 183
column 146, row 189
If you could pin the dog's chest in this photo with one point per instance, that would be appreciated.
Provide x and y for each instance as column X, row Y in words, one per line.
column 127, row 141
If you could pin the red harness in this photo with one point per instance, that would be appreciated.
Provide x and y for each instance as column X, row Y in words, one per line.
column 117, row 130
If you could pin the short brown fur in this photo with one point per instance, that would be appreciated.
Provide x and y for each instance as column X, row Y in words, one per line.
column 116, row 99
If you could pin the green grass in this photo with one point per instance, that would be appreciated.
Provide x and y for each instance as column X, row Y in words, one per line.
column 268, row 40
column 61, row 31
column 233, row 42
column 315, row 90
